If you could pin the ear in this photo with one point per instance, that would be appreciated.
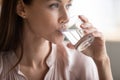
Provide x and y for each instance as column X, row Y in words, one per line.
column 20, row 9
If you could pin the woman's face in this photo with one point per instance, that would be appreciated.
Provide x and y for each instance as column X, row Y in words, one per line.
column 46, row 18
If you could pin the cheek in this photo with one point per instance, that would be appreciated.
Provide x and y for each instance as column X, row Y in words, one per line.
column 43, row 20
column 42, row 25
column 46, row 26
column 47, row 30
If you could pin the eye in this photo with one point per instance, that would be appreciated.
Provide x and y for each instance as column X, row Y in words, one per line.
column 54, row 5
column 68, row 6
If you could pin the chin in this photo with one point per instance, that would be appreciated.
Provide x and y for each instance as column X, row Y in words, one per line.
column 58, row 40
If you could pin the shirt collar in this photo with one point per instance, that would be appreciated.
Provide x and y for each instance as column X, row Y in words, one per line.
column 52, row 57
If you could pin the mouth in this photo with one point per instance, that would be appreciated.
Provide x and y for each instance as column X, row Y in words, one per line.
column 63, row 28
column 60, row 32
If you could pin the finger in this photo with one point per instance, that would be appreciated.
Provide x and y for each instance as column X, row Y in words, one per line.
column 89, row 30
column 69, row 45
column 83, row 18
column 85, row 25
column 98, row 35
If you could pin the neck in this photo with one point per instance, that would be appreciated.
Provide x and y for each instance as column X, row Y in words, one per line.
column 35, row 52
column 35, row 48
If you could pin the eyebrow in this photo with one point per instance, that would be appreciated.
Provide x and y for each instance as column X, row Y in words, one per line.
column 58, row 0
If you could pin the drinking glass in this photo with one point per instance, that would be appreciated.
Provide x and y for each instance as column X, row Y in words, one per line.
column 76, row 35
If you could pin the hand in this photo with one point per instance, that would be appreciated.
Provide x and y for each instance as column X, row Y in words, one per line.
column 97, row 50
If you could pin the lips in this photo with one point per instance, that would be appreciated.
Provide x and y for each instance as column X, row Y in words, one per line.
column 63, row 28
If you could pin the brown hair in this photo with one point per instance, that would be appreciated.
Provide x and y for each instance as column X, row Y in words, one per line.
column 11, row 27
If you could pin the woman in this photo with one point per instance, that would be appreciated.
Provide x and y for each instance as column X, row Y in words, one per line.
column 31, row 44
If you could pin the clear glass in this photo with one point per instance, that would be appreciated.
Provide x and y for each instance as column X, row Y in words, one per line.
column 75, row 34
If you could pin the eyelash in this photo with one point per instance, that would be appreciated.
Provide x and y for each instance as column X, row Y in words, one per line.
column 68, row 6
column 56, row 5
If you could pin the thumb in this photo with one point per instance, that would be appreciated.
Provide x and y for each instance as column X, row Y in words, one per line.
column 70, row 45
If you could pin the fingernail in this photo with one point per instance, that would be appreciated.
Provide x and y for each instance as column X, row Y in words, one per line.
column 83, row 26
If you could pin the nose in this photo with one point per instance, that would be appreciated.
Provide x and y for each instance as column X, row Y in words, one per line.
column 64, row 17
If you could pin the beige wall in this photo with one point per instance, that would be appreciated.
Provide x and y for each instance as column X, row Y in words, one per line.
column 113, row 49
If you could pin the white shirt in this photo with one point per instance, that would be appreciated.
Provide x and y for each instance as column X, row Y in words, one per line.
column 63, row 65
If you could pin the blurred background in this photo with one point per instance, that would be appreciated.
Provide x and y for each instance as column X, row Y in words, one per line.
column 105, row 15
